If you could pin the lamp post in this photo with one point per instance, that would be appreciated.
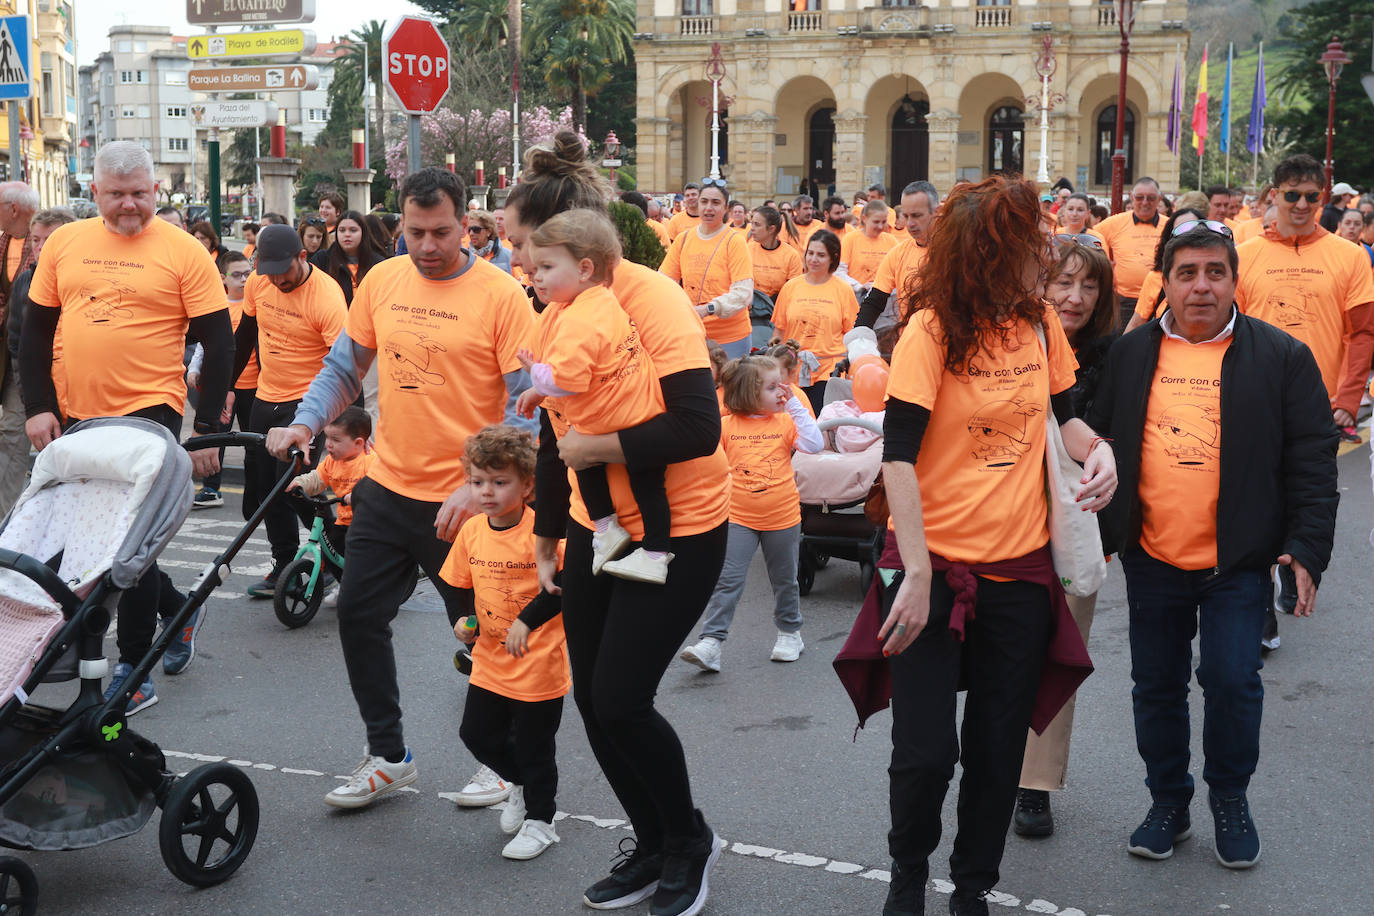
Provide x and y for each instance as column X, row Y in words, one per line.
column 1332, row 61
column 1125, row 21
column 715, row 72
column 1045, row 66
column 611, row 149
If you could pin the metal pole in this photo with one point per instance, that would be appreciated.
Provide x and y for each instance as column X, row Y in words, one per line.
column 214, row 179
column 1119, row 134
column 413, row 157
column 16, row 157
column 1044, row 176
column 1329, row 168
column 715, row 128
column 257, row 168
column 367, row 138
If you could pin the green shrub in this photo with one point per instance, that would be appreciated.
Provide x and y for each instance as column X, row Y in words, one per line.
column 639, row 242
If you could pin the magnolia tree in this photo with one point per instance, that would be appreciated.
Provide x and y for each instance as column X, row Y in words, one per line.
column 476, row 135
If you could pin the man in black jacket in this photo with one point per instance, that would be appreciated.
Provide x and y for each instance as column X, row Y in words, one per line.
column 1226, row 455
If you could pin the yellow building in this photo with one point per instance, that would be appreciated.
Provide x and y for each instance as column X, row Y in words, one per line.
column 852, row 92
column 48, row 117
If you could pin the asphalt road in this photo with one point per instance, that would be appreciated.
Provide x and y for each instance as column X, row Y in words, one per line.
column 774, row 768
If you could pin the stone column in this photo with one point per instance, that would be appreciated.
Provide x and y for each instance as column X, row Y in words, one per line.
column 359, row 183
column 498, row 197
column 279, row 185
column 943, row 126
column 751, row 156
column 677, row 166
column 478, row 192
column 652, row 136
column 849, row 153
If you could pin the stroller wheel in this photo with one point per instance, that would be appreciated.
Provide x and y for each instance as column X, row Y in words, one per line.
column 18, row 887
column 209, row 823
column 806, row 573
column 866, row 571
column 820, row 558
column 293, row 608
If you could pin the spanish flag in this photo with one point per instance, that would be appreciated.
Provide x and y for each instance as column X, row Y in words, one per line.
column 1200, row 107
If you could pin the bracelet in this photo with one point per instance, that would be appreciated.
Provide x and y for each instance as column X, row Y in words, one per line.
column 1093, row 444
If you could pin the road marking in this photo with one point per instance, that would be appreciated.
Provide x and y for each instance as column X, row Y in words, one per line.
column 782, row 857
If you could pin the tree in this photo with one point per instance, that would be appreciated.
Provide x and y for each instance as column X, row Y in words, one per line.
column 364, row 45
column 482, row 24
column 475, row 134
column 239, row 161
column 582, row 40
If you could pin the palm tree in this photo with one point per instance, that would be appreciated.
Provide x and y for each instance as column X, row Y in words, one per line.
column 481, row 24
column 364, row 45
column 582, row 38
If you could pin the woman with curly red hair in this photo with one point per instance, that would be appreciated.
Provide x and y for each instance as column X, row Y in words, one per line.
column 970, row 392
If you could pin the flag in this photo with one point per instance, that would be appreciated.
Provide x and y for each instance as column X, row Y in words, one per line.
column 1176, row 107
column 1200, row 107
column 1224, row 131
column 1254, row 137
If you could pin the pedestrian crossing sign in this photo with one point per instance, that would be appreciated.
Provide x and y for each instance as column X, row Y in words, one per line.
column 14, row 58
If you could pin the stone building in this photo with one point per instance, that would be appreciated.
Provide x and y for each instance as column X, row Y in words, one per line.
column 47, row 119
column 852, row 92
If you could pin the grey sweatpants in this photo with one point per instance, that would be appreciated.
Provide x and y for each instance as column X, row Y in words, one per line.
column 779, row 555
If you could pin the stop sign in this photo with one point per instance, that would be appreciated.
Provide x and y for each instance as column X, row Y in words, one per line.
column 417, row 63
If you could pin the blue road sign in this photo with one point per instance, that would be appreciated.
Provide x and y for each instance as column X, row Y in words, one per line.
column 15, row 82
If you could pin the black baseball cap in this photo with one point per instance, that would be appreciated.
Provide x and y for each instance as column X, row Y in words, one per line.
column 278, row 246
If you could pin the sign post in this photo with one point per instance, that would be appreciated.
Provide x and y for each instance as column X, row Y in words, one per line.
column 254, row 79
column 15, row 81
column 230, row 12
column 277, row 43
column 416, row 58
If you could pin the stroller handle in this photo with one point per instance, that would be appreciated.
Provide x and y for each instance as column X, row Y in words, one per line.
column 872, row 426
column 223, row 440
column 43, row 576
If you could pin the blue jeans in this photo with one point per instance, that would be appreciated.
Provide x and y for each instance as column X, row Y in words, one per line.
column 1168, row 607
column 736, row 348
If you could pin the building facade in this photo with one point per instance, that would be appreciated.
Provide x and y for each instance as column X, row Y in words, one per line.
column 47, row 120
column 845, row 93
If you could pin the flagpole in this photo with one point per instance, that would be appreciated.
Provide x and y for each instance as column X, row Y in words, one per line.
column 1178, row 127
column 1254, row 157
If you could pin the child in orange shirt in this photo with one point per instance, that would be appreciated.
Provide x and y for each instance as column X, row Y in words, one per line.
column 519, row 652
column 766, row 424
column 598, row 378
column 347, row 461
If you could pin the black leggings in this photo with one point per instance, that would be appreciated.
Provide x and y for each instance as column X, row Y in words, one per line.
column 621, row 638
column 646, row 484
column 281, row 517
column 516, row 738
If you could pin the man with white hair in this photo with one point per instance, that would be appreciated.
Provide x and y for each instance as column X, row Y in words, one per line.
column 131, row 285
column 18, row 202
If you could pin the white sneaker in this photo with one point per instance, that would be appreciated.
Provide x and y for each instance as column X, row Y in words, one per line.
column 705, row 654
column 373, row 777
column 534, row 837
column 514, row 813
column 485, row 788
column 788, row 648
column 641, row 567
column 331, row 597
column 608, row 544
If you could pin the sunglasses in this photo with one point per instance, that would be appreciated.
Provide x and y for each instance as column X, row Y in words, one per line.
column 314, row 221
column 1209, row 224
column 1086, row 239
column 713, row 183
column 1294, row 196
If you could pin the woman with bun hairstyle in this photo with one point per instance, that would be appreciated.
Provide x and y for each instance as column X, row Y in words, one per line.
column 618, row 651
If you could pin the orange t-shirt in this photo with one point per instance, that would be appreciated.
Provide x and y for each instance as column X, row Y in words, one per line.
column 248, row 250
column 594, row 351
column 981, row 466
column 126, row 303
column 680, row 222
column 773, row 268
column 707, row 268
column 499, row 567
column 295, row 332
column 248, row 378
column 1131, row 247
column 14, row 256
column 763, row 492
column 900, row 262
column 698, row 490
column 343, row 476
column 1306, row 290
column 817, row 317
column 1247, row 229
column 661, row 231
column 1150, row 288
column 1180, row 455
column 864, row 255
column 443, row 349
column 804, row 234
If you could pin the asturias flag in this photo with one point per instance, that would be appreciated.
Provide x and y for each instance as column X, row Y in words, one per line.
column 1224, row 131
column 1200, row 107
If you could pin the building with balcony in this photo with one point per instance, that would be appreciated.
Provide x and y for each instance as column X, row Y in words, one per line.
column 846, row 93
column 47, row 119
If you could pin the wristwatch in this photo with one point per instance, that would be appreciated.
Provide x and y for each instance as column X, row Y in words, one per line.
column 710, row 308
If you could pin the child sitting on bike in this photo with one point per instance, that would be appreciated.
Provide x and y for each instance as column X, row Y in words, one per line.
column 346, row 462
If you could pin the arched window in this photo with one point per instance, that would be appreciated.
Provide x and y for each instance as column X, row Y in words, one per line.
column 1106, row 130
column 1006, row 140
column 910, row 144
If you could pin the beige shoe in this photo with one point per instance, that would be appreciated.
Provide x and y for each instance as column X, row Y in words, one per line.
column 640, row 567
column 607, row 545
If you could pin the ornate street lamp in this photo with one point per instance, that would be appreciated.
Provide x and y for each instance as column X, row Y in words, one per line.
column 611, row 148
column 1332, row 61
column 1125, row 21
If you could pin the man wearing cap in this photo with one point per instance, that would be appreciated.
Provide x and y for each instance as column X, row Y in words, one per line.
column 1130, row 239
column 1341, row 196
column 292, row 314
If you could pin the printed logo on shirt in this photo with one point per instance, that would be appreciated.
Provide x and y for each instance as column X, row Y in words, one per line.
column 1293, row 307
column 102, row 303
column 1193, row 433
column 408, row 357
column 498, row 607
column 1001, row 429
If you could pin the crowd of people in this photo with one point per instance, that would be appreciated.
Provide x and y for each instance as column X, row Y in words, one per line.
column 560, row 438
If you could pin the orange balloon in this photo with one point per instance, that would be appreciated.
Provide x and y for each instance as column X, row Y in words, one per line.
column 870, row 387
column 865, row 360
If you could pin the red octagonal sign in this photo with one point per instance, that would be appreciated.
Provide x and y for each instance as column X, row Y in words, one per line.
column 417, row 63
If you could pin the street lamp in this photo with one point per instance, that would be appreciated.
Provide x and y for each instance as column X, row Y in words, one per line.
column 1125, row 21
column 1332, row 61
column 611, row 149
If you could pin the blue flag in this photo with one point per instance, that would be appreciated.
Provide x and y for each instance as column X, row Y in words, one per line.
column 1224, row 137
column 1176, row 107
column 1254, row 137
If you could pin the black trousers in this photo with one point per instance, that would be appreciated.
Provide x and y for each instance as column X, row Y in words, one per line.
column 647, row 486
column 621, row 638
column 389, row 535
column 516, row 738
column 999, row 662
column 281, row 517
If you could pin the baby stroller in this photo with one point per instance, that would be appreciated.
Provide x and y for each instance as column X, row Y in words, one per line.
column 835, row 488
column 104, row 500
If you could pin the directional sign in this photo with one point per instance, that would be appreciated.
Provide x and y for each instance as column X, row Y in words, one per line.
column 278, row 43
column 417, row 63
column 15, row 82
column 234, row 12
column 234, row 114
column 255, row 79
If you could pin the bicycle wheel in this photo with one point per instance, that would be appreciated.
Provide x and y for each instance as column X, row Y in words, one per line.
column 291, row 603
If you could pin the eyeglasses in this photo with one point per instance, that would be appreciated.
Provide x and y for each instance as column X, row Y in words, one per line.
column 1293, row 196
column 1086, row 239
column 713, row 183
column 1146, row 198
column 240, row 274
column 1208, row 224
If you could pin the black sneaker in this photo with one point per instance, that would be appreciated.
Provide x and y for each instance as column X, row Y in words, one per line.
column 267, row 586
column 1164, row 827
column 906, row 895
column 1237, row 842
column 1033, row 817
column 968, row 903
column 633, row 878
column 207, row 499
column 685, row 882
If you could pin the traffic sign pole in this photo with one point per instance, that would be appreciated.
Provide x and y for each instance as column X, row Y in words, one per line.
column 413, row 153
column 214, row 181
column 16, row 161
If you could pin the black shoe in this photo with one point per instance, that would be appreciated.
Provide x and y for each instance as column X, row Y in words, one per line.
column 685, row 881
column 267, row 587
column 634, row 877
column 906, row 895
column 1237, row 843
column 968, row 903
column 1033, row 817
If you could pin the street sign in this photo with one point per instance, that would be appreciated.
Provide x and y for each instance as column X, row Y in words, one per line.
column 243, row 12
column 245, row 113
column 417, row 63
column 15, row 81
column 611, row 163
column 278, row 43
column 254, row 79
